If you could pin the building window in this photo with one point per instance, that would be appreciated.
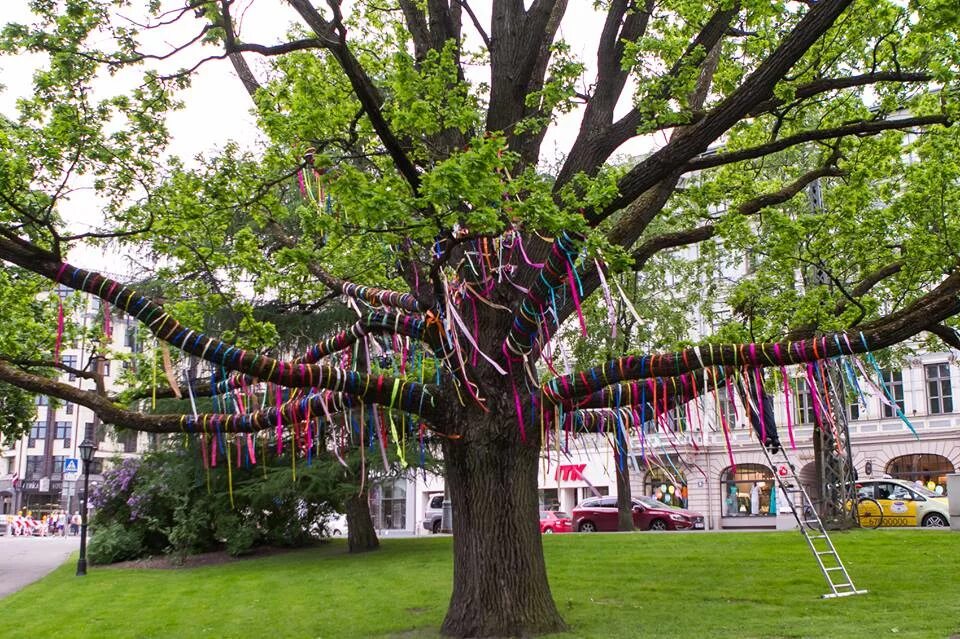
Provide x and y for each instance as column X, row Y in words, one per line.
column 671, row 489
column 939, row 392
column 926, row 469
column 38, row 432
column 88, row 431
column 96, row 466
column 747, row 492
column 34, row 466
column 63, row 430
column 42, row 400
column 130, row 337
column 391, row 513
column 71, row 361
column 128, row 439
column 853, row 411
column 805, row 411
column 893, row 383
column 69, row 408
column 591, row 492
column 63, row 291
column 58, row 464
column 727, row 409
column 676, row 421
column 549, row 499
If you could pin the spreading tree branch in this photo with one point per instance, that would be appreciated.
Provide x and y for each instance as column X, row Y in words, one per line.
column 291, row 412
column 757, row 87
column 555, row 273
column 333, row 38
column 520, row 47
column 948, row 334
column 868, row 127
column 654, row 245
column 868, row 282
column 599, row 135
column 476, row 22
column 374, row 322
column 369, row 294
column 934, row 307
column 364, row 386
column 29, row 363
column 826, row 85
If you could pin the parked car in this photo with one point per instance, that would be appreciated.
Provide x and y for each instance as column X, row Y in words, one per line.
column 555, row 521
column 906, row 504
column 433, row 515
column 600, row 515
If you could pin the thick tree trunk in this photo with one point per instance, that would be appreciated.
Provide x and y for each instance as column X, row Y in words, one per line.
column 500, row 584
column 624, row 496
column 361, row 535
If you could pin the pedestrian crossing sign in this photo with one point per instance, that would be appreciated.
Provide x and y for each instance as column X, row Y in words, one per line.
column 71, row 468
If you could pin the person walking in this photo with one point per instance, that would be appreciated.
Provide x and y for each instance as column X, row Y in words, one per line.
column 62, row 523
column 75, row 522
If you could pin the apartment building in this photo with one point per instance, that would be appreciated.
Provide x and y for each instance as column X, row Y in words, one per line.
column 689, row 464
column 35, row 470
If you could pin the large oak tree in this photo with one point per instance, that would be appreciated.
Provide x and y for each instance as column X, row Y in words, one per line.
column 403, row 168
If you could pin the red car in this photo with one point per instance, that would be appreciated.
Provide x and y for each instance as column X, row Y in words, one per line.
column 600, row 514
column 554, row 521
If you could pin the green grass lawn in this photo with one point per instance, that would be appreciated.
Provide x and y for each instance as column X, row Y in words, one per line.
column 629, row 585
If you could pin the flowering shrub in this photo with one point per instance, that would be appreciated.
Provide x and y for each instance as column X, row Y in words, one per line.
column 116, row 491
column 167, row 502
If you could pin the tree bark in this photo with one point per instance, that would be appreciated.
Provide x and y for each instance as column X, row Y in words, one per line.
column 624, row 494
column 500, row 586
column 361, row 535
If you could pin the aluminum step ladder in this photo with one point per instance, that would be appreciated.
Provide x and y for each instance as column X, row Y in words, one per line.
column 812, row 529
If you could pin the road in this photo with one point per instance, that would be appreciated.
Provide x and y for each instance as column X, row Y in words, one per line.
column 23, row 560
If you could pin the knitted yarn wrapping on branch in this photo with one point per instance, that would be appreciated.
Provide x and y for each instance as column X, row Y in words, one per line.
column 258, row 366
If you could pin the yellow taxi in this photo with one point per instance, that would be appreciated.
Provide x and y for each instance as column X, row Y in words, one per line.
column 906, row 504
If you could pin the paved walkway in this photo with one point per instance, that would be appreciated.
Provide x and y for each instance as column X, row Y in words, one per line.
column 23, row 560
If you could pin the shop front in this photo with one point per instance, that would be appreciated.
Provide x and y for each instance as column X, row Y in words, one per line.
column 666, row 485
column 40, row 496
column 748, row 497
column 924, row 469
column 562, row 486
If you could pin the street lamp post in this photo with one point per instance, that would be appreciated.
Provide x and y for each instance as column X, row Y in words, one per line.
column 87, row 448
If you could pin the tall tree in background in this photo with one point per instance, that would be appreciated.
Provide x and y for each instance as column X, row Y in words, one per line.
column 403, row 150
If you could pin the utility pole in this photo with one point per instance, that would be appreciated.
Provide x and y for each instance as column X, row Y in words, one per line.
column 833, row 460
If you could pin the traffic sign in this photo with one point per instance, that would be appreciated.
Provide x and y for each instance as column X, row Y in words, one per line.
column 71, row 469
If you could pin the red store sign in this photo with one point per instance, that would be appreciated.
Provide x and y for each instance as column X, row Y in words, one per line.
column 570, row 472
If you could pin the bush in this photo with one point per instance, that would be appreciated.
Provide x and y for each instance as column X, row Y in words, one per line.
column 115, row 542
column 170, row 504
column 192, row 530
column 240, row 534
